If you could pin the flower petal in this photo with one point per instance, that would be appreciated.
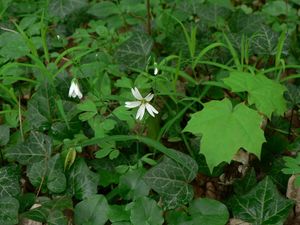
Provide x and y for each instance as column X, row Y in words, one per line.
column 132, row 104
column 71, row 90
column 155, row 69
column 151, row 110
column 135, row 92
column 149, row 97
column 140, row 113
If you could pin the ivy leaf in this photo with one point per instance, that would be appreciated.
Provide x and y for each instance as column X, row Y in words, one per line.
column 145, row 211
column 49, row 172
column 50, row 211
column 132, row 185
column 171, row 180
column 265, row 42
column 266, row 94
column 245, row 184
column 245, row 23
column 36, row 148
column 9, row 181
column 4, row 134
column 262, row 205
column 41, row 107
column 9, row 208
column 92, row 211
column 12, row 45
column 135, row 51
column 63, row 8
column 82, row 182
column 225, row 130
column 208, row 211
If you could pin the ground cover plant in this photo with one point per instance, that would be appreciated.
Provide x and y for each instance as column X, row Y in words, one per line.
column 149, row 112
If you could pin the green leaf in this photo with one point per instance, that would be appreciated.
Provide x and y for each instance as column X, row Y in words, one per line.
column 132, row 185
column 82, row 182
column 118, row 213
column 36, row 148
column 9, row 181
column 92, row 211
column 63, row 8
column 277, row 8
column 41, row 107
column 9, row 207
column 245, row 184
column 135, row 51
column 12, row 45
column 50, row 211
column 4, row 134
column 213, row 14
column 49, row 172
column 266, row 94
column 265, row 42
column 246, row 24
column 171, row 180
column 104, row 9
column 208, row 211
column 145, row 211
column 225, row 130
column 263, row 205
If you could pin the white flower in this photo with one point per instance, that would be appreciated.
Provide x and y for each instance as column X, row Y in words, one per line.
column 155, row 69
column 74, row 89
column 142, row 103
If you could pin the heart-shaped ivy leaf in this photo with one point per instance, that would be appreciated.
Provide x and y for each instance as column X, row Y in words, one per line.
column 262, row 205
column 171, row 180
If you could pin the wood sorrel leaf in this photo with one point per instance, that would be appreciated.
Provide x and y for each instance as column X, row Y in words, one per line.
column 225, row 130
column 266, row 94
column 171, row 180
column 262, row 205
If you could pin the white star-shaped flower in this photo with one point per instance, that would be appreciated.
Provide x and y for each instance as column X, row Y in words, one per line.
column 74, row 90
column 142, row 103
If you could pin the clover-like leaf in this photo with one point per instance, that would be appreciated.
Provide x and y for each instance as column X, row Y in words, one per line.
column 9, row 207
column 92, row 211
column 266, row 94
column 9, row 181
column 36, row 148
column 225, row 130
column 135, row 51
column 171, row 180
column 262, row 205
column 81, row 182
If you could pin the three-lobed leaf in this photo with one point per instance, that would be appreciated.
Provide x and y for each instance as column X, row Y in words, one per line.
column 266, row 94
column 225, row 130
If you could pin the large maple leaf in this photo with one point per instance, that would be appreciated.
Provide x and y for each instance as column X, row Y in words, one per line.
column 224, row 130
